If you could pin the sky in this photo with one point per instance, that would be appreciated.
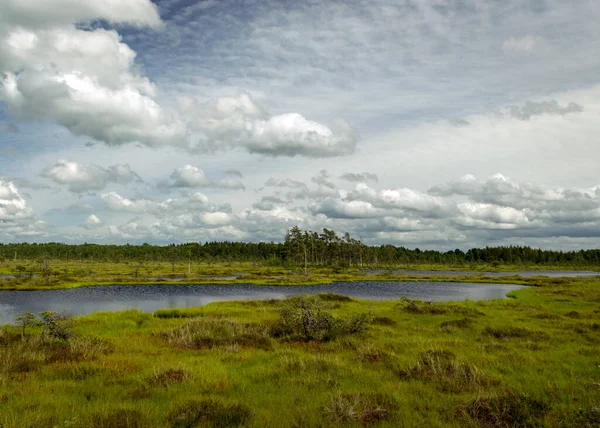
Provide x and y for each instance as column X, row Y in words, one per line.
column 435, row 124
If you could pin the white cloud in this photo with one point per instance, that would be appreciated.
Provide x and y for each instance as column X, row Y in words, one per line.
column 525, row 45
column 230, row 122
column 45, row 13
column 12, row 204
column 82, row 178
column 189, row 176
column 84, row 80
column 92, row 222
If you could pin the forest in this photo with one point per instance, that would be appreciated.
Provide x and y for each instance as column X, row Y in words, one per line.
column 300, row 248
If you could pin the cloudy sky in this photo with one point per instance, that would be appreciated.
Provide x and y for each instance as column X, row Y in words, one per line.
column 424, row 123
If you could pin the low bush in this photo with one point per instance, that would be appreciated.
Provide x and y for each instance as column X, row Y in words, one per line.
column 306, row 319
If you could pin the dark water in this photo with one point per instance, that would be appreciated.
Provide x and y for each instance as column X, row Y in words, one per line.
column 524, row 273
column 149, row 298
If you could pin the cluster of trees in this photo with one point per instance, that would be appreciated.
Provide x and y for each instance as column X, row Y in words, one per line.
column 301, row 248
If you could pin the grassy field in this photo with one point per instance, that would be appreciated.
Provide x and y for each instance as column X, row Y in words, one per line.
column 61, row 274
column 530, row 360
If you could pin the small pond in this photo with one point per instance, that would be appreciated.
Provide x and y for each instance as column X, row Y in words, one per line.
column 149, row 298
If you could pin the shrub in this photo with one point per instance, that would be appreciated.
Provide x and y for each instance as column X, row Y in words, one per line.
column 56, row 325
column 306, row 319
column 209, row 412
column 507, row 410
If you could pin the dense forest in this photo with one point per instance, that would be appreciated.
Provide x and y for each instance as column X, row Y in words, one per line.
column 300, row 248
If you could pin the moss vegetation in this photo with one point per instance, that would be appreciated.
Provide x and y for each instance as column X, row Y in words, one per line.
column 530, row 360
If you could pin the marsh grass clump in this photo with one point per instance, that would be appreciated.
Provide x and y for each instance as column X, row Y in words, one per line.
column 120, row 418
column 20, row 356
column 419, row 307
column 545, row 316
column 583, row 417
column 209, row 412
column 360, row 408
column 169, row 376
column 304, row 318
column 443, row 368
column 211, row 332
column 454, row 325
column 573, row 314
column 383, row 321
column 334, row 297
column 506, row 410
column 508, row 333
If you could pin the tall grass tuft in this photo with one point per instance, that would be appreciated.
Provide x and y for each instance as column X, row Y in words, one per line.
column 509, row 409
column 442, row 368
column 209, row 412
column 361, row 407
column 213, row 332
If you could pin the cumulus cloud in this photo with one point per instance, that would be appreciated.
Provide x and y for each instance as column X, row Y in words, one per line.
column 12, row 204
column 189, row 176
column 85, row 178
column 230, row 122
column 92, row 222
column 85, row 80
column 531, row 108
column 359, row 177
column 17, row 220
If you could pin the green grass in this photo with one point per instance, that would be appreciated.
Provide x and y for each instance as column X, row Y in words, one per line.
column 531, row 360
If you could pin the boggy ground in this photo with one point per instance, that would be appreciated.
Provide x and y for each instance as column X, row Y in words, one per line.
column 530, row 360
column 53, row 274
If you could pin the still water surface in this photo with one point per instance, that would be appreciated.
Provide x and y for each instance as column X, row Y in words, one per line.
column 149, row 298
column 523, row 273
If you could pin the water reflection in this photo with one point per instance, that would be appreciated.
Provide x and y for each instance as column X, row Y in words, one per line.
column 523, row 273
column 149, row 298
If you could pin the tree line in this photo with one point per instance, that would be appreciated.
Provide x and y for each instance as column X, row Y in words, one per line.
column 301, row 249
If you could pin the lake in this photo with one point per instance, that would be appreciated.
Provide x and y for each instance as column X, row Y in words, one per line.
column 149, row 298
